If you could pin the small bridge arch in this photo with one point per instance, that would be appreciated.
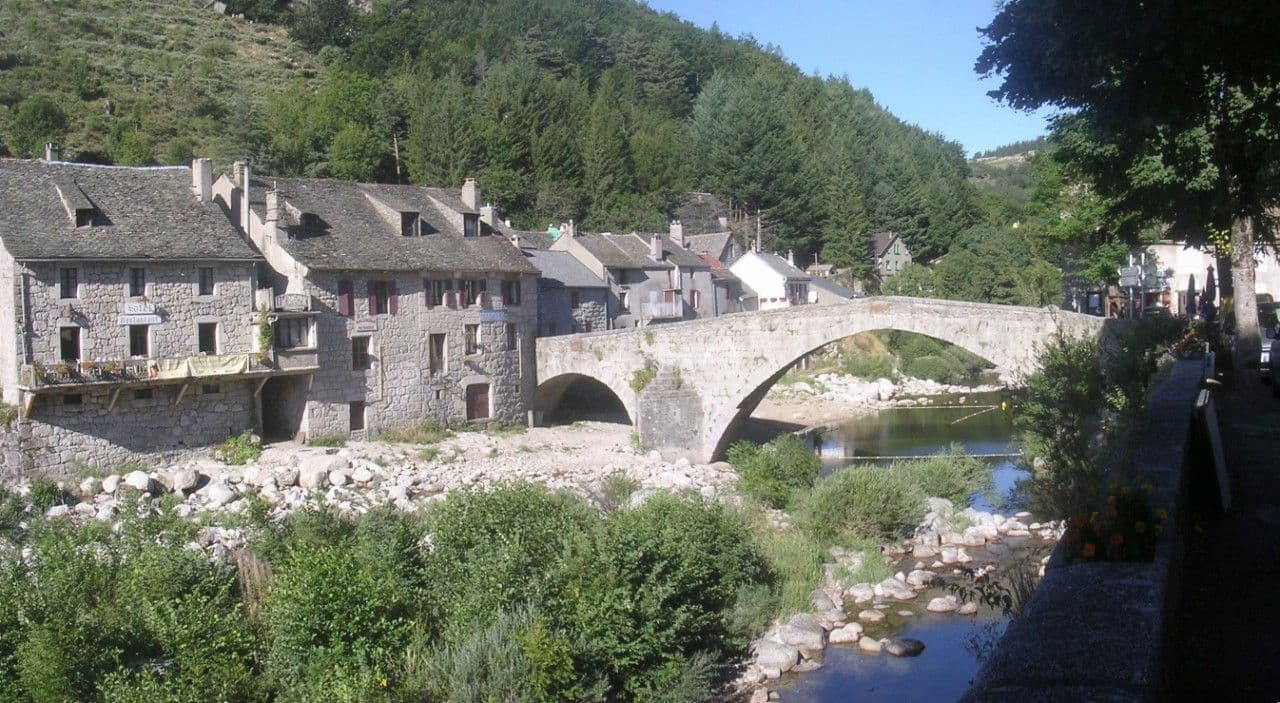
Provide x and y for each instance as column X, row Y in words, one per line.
column 710, row 374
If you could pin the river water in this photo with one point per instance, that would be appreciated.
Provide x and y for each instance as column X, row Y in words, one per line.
column 954, row 645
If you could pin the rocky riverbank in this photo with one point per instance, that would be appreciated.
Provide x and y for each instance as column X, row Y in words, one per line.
column 948, row 546
column 825, row 398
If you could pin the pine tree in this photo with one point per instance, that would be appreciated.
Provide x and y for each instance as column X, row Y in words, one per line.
column 846, row 229
column 442, row 147
column 606, row 160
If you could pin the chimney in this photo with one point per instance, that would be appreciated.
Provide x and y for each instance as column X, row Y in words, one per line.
column 50, row 152
column 791, row 257
column 489, row 215
column 245, row 211
column 724, row 222
column 273, row 209
column 515, row 239
column 655, row 247
column 677, row 233
column 507, row 222
column 237, row 173
column 202, row 179
column 470, row 193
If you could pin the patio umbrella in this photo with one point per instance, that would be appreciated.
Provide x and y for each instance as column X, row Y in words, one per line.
column 1190, row 309
column 1207, row 310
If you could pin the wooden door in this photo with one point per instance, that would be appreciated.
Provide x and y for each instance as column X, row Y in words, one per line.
column 478, row 401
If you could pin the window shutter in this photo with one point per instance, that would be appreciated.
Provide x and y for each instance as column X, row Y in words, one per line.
column 426, row 292
column 392, row 298
column 372, row 296
column 344, row 298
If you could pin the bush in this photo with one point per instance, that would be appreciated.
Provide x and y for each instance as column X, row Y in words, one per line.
column 867, row 366
column 11, row 512
column 422, row 433
column 860, row 502
column 773, row 472
column 329, row 441
column 937, row 368
column 954, row 475
column 240, row 449
column 45, row 493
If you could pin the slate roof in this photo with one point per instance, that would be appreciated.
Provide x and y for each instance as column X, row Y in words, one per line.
column 713, row 243
column 880, row 242
column 139, row 213
column 528, row 239
column 608, row 253
column 780, row 266
column 719, row 271
column 672, row 252
column 700, row 213
column 561, row 270
column 832, row 287
column 354, row 236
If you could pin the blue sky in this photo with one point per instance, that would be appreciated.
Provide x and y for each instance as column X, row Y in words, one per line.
column 915, row 56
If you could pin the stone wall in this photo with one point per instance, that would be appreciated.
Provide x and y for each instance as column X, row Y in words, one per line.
column 399, row 388
column 556, row 314
column 60, row 437
column 1094, row 631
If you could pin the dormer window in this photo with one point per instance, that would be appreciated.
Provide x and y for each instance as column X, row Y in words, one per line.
column 84, row 217
column 310, row 223
column 470, row 225
column 410, row 224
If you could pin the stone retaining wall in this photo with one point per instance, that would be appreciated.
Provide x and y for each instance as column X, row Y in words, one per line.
column 1094, row 631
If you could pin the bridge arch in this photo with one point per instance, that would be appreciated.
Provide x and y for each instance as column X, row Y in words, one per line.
column 550, row 393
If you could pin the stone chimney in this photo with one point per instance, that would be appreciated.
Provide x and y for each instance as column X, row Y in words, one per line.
column 202, row 179
column 489, row 215
column 273, row 209
column 724, row 222
column 471, row 194
column 791, row 257
column 677, row 233
column 237, row 173
column 655, row 247
column 51, row 152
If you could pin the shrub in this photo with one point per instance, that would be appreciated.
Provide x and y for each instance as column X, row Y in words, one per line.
column 867, row 366
column 860, row 502
column 11, row 512
column 643, row 376
column 937, row 368
column 954, row 475
column 240, row 449
column 422, row 433
column 329, row 441
column 46, row 493
column 773, row 472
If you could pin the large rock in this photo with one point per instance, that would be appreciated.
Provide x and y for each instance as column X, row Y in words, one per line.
column 138, row 481
column 776, row 655
column 820, row 601
column 57, row 511
column 861, row 592
column 184, row 481
column 804, row 633
column 905, row 647
column 944, row 604
column 287, row 479
column 90, row 487
column 846, row 635
column 896, row 589
column 362, row 475
column 110, row 484
column 968, row 609
column 921, row 578
column 337, row 478
column 218, row 493
column 869, row 645
column 871, row 615
column 885, row 389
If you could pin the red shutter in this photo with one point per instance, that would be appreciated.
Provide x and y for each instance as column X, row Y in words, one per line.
column 344, row 298
column 426, row 292
column 392, row 298
column 369, row 289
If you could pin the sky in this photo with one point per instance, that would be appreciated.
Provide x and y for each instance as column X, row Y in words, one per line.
column 915, row 56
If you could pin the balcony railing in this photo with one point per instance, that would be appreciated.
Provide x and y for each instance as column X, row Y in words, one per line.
column 665, row 310
column 161, row 370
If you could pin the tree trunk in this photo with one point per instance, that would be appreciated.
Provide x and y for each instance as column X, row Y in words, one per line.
column 1244, row 298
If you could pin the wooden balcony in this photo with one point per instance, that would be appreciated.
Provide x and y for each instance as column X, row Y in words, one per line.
column 154, row 371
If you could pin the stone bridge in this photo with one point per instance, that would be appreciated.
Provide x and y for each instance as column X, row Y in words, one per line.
column 688, row 386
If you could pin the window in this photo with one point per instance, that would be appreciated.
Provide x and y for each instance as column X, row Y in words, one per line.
column 73, row 399
column 139, row 340
column 137, row 282
column 510, row 293
column 346, row 298
column 310, row 224
column 897, row 247
column 69, row 283
column 436, row 359
column 355, row 410
column 434, row 290
column 472, row 289
column 208, row 337
column 382, row 297
column 84, row 217
column 623, row 299
column 512, row 336
column 695, row 299
column 410, row 224
column 586, row 326
column 206, row 280
column 360, row 353
column 472, row 339
column 463, row 289
column 470, row 225
column 143, row 394
column 575, row 299
column 292, row 333
column 69, row 343
column 210, row 388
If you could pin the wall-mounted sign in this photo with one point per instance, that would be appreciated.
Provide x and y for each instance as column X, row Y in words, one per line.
column 366, row 325
column 139, row 312
column 493, row 315
column 151, row 319
column 139, row 307
column 293, row 302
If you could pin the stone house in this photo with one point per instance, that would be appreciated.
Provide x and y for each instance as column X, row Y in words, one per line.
column 650, row 278
column 776, row 281
column 127, row 302
column 890, row 253
column 414, row 308
column 823, row 290
column 571, row 299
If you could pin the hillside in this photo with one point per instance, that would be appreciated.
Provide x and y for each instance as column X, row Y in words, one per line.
column 605, row 112
column 144, row 82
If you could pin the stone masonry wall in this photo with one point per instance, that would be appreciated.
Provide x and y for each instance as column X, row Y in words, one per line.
column 398, row 388
column 555, row 309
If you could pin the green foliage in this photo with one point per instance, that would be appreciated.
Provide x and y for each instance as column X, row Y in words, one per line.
column 953, row 475
column 356, row 154
column 329, row 441
column 865, row 502
column 240, row 449
column 421, row 433
column 867, row 365
column 37, row 121
column 643, row 376
column 46, row 493
column 11, row 512
column 773, row 472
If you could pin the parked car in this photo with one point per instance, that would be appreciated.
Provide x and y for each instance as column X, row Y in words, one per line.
column 1270, row 355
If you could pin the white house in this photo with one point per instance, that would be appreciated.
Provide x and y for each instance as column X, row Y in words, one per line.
column 777, row 282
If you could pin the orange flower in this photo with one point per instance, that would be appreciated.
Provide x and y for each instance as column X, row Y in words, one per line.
column 1088, row 550
column 1117, row 539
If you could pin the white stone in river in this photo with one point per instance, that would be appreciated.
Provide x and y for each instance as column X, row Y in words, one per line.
column 846, row 635
column 897, row 589
column 870, row 615
column 945, row 604
column 861, row 592
column 920, row 578
column 948, row 555
column 869, row 645
column 776, row 655
column 968, row 609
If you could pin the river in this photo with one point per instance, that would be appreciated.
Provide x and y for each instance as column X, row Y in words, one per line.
column 954, row 645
